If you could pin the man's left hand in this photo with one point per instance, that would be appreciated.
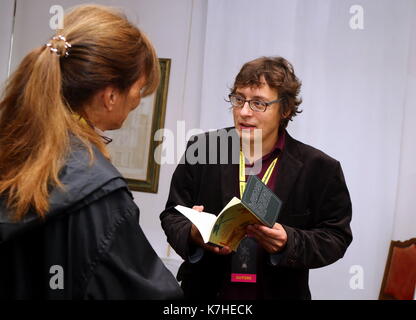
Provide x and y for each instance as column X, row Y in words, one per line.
column 271, row 239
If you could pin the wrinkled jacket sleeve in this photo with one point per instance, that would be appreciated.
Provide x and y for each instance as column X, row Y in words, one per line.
column 126, row 266
column 328, row 239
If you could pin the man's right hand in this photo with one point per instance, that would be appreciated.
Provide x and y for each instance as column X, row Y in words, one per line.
column 197, row 238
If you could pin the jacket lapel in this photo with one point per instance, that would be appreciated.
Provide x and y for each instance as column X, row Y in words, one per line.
column 229, row 171
column 289, row 169
column 229, row 182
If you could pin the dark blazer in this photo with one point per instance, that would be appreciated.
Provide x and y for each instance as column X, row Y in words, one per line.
column 91, row 233
column 316, row 215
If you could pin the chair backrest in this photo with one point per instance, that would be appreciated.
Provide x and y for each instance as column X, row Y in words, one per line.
column 399, row 279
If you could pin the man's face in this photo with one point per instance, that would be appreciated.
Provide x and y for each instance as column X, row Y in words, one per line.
column 248, row 120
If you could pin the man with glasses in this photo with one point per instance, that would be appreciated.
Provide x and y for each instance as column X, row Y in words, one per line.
column 313, row 227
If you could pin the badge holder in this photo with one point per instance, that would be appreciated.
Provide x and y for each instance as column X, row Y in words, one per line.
column 244, row 262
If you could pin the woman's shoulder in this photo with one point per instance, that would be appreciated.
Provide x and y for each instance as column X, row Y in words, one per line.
column 83, row 175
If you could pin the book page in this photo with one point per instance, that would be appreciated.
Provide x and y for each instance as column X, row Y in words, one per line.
column 230, row 227
column 204, row 221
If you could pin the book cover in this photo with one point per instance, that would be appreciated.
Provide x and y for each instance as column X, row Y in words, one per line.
column 261, row 201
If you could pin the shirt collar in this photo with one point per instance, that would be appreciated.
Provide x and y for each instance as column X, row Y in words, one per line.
column 85, row 122
column 278, row 147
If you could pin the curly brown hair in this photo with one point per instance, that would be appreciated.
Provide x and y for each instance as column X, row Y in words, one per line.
column 279, row 74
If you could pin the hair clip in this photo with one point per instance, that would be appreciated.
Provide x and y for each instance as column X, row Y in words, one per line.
column 55, row 50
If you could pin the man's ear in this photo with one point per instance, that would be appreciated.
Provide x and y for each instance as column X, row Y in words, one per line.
column 109, row 96
column 286, row 114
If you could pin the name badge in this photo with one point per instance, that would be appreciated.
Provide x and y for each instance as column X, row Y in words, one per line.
column 244, row 262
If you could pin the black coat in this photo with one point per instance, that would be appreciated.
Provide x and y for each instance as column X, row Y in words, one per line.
column 91, row 236
column 316, row 215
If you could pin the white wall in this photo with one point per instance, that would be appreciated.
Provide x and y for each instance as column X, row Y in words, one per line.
column 405, row 218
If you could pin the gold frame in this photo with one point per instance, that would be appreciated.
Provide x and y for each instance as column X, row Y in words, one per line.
column 151, row 183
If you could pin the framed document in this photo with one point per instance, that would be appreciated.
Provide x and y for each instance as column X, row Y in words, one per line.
column 133, row 147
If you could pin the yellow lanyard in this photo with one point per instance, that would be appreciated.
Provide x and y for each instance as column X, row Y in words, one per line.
column 265, row 178
column 80, row 119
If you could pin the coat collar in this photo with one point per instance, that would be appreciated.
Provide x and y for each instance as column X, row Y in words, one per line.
column 289, row 168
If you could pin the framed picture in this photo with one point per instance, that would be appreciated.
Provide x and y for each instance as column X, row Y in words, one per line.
column 133, row 147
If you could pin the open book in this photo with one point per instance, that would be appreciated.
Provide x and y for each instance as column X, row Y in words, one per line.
column 259, row 205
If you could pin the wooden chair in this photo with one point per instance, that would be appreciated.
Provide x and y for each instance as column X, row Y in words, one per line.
column 399, row 280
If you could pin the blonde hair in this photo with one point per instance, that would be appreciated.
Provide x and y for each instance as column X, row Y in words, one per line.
column 47, row 89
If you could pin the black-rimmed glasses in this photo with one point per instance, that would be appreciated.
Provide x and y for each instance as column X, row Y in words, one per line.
column 238, row 101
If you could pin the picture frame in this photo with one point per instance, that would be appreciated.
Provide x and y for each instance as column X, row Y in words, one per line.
column 133, row 147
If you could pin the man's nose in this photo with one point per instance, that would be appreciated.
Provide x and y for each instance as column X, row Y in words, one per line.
column 246, row 110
